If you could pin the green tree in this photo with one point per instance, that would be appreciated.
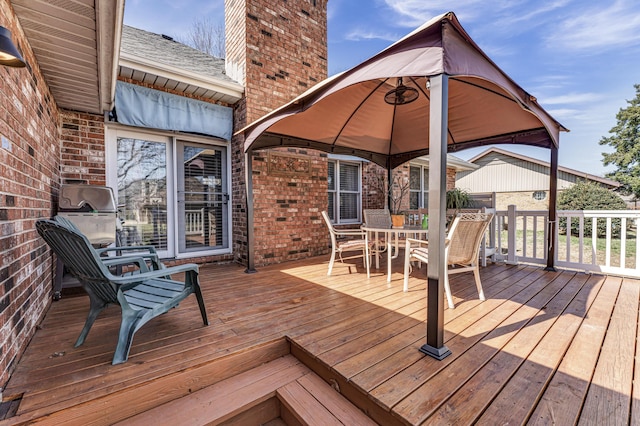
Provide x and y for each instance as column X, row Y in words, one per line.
column 625, row 138
column 586, row 195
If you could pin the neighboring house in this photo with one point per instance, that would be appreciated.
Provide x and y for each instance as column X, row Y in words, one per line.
column 519, row 180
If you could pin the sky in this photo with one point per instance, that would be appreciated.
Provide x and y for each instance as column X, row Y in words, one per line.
column 579, row 58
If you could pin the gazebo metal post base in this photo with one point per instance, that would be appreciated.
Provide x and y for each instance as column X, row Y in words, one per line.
column 437, row 353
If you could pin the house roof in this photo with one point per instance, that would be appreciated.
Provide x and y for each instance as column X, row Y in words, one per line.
column 453, row 162
column 494, row 150
column 75, row 44
column 160, row 60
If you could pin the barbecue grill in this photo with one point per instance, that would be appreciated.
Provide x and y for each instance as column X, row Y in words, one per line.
column 92, row 209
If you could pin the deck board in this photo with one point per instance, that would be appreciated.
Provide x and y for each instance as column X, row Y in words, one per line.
column 609, row 397
column 545, row 347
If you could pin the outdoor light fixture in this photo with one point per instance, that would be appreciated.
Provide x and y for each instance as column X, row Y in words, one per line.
column 401, row 94
column 428, row 84
column 9, row 54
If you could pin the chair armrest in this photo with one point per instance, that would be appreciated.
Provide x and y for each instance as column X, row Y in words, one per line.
column 150, row 249
column 346, row 233
column 161, row 273
column 151, row 256
column 413, row 242
column 139, row 261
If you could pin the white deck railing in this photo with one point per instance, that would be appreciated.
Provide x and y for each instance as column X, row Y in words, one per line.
column 194, row 222
column 615, row 252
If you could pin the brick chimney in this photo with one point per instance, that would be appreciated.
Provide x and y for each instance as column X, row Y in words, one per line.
column 277, row 49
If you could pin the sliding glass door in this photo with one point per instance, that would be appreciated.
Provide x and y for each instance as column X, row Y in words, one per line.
column 171, row 193
column 202, row 197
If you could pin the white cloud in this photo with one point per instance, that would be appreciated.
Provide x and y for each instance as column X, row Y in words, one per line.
column 573, row 98
column 599, row 27
column 417, row 12
column 359, row 34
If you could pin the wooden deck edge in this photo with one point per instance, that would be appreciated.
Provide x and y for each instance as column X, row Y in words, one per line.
column 128, row 402
column 352, row 393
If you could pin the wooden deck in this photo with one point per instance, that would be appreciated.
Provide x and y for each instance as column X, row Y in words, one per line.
column 545, row 348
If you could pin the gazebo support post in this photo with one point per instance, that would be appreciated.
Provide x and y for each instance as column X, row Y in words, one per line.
column 437, row 268
column 553, row 214
column 248, row 179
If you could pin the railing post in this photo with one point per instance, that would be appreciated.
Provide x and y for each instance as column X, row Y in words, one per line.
column 512, row 259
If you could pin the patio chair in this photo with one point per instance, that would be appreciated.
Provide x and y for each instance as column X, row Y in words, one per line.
column 142, row 296
column 377, row 218
column 462, row 247
column 356, row 241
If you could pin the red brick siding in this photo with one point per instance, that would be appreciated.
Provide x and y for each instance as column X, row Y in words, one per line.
column 282, row 47
column 451, row 179
column 82, row 146
column 373, row 195
column 29, row 176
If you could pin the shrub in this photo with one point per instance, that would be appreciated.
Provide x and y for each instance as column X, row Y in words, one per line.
column 591, row 196
column 458, row 199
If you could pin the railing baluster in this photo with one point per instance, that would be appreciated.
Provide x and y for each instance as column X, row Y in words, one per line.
column 525, row 221
column 594, row 241
column 623, row 242
column 535, row 236
column 568, row 240
column 607, row 255
column 511, row 235
column 580, row 239
column 637, row 246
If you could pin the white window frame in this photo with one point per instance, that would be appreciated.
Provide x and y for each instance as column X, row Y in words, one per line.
column 423, row 192
column 114, row 131
column 337, row 192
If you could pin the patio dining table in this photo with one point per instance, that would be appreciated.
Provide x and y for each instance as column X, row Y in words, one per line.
column 392, row 238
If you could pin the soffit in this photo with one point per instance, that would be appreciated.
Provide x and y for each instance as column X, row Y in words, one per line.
column 76, row 44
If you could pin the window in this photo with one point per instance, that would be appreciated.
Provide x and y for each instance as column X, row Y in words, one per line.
column 419, row 187
column 344, row 191
column 539, row 195
column 172, row 193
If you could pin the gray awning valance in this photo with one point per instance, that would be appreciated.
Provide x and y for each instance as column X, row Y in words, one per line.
column 143, row 107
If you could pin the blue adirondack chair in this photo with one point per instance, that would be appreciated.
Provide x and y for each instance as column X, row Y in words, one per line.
column 142, row 295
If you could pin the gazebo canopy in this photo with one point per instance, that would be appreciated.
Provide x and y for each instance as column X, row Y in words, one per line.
column 347, row 113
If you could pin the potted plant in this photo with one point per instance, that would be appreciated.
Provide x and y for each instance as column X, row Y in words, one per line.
column 458, row 199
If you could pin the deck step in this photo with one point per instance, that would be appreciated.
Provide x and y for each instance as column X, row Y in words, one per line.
column 226, row 399
column 311, row 401
column 283, row 391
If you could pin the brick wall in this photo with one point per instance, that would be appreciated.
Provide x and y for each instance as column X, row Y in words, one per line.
column 523, row 200
column 29, row 176
column 281, row 47
column 82, row 147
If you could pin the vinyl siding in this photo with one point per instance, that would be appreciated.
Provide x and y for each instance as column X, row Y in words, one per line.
column 501, row 173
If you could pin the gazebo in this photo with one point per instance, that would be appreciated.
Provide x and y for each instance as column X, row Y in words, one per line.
column 432, row 92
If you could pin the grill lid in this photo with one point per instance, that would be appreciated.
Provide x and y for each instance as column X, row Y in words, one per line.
column 86, row 198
